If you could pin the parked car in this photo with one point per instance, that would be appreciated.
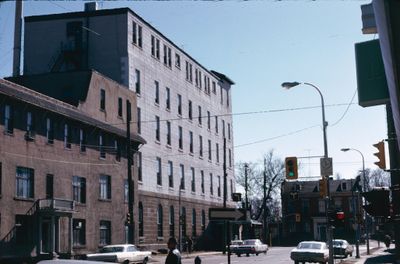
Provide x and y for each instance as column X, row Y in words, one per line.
column 125, row 253
column 251, row 246
column 234, row 245
column 342, row 248
column 310, row 251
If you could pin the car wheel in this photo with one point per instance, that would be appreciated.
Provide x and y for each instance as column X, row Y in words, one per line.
column 145, row 260
column 256, row 254
column 125, row 261
column 296, row 262
column 247, row 254
column 238, row 255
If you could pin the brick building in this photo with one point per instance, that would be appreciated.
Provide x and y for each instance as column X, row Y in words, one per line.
column 63, row 166
column 304, row 214
column 184, row 110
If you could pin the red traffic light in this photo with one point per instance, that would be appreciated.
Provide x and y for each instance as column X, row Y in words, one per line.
column 340, row 215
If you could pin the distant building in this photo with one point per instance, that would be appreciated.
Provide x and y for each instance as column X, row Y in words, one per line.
column 184, row 111
column 304, row 214
column 63, row 166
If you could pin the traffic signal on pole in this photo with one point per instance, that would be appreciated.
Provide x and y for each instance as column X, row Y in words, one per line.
column 323, row 190
column 381, row 155
column 291, row 168
column 336, row 218
column 378, row 202
column 128, row 218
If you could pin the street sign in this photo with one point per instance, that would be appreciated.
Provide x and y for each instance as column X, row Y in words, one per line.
column 233, row 214
column 326, row 166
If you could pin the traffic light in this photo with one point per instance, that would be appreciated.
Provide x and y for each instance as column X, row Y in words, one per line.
column 336, row 218
column 378, row 202
column 291, row 168
column 128, row 218
column 381, row 155
column 323, row 191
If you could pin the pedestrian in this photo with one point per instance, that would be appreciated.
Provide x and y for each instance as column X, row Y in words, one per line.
column 387, row 240
column 197, row 260
column 174, row 256
column 189, row 244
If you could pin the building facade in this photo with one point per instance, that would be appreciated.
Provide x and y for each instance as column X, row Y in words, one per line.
column 304, row 212
column 63, row 166
column 184, row 111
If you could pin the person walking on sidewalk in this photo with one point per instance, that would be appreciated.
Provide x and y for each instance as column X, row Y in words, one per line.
column 174, row 256
column 387, row 240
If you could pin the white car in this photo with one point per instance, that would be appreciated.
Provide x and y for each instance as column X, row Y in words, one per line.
column 310, row 251
column 251, row 246
column 124, row 253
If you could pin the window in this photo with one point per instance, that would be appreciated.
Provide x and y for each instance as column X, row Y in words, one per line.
column 193, row 222
column 227, row 98
column 208, row 120
column 105, row 187
column 82, row 140
column 137, row 34
column 170, row 175
column 199, row 117
column 105, row 233
column 158, row 49
column 230, row 157
column 193, row 183
column 137, row 81
column 179, row 104
column 139, row 120
column 211, row 184
column 49, row 130
column 79, row 189
column 153, row 46
column 180, row 135
column 203, row 220
column 229, row 131
column 196, row 77
column 171, row 221
column 157, row 128
column 134, row 32
column 160, row 221
column 183, row 217
column 140, row 36
column 219, row 186
column 102, row 100
column 139, row 165
column 157, row 92
column 168, row 133
column 101, row 147
column 120, row 107
column 216, row 124
column 182, row 177
column 217, row 151
column 168, row 98
column 190, row 110
column 200, row 79
column 8, row 119
column 177, row 61
column 30, row 128
column 78, row 232
column 117, row 149
column 158, row 169
column 140, row 216
column 321, row 206
column 201, row 146
column 191, row 142
column 305, row 206
column 214, row 87
column 202, row 181
column 209, row 150
column 25, row 182
column 222, row 95
column 49, row 185
column 126, row 191
column 189, row 69
column 167, row 56
column 223, row 128
column 67, row 136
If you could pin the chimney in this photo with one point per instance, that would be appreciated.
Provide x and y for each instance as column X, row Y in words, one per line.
column 91, row 6
column 17, row 38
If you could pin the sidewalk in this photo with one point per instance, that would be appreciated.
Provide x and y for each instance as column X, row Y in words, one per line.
column 377, row 255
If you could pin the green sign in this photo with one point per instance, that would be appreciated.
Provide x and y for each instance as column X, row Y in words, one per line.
column 371, row 78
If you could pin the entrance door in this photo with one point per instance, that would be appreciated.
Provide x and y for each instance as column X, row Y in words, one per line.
column 46, row 235
column 321, row 232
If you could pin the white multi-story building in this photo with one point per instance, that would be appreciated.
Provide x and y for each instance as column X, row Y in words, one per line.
column 184, row 110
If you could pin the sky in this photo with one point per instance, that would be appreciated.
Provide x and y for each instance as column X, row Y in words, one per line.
column 259, row 45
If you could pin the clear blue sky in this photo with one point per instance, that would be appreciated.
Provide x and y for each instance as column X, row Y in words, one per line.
column 260, row 44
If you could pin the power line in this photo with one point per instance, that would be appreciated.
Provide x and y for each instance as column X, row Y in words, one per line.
column 347, row 109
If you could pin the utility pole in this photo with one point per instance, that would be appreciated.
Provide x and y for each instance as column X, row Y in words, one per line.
column 225, row 174
column 180, row 214
column 246, row 204
column 131, row 225
column 265, row 203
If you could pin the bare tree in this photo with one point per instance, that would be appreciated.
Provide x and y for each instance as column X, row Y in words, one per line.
column 375, row 178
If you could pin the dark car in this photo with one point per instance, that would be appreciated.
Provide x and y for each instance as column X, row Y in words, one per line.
column 342, row 248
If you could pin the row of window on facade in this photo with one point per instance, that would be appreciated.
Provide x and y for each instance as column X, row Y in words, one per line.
column 200, row 81
column 181, row 169
column 67, row 133
column 305, row 205
column 171, row 221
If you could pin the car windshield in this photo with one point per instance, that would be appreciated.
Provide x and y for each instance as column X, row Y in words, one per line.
column 249, row 242
column 111, row 249
column 337, row 243
column 236, row 242
column 307, row 245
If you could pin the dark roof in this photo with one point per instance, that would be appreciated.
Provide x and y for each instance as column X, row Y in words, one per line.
column 118, row 11
column 69, row 87
column 29, row 96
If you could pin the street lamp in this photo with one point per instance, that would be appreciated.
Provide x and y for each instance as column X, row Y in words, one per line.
column 365, row 189
column 289, row 85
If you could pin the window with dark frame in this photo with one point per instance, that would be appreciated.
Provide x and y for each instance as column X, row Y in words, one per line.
column 200, row 117
column 190, row 113
column 168, row 98
column 153, row 46
column 191, row 142
column 202, row 181
column 102, row 99
column 229, row 131
column 217, row 151
column 139, row 165
column 203, row 220
column 201, row 146
column 9, row 119
column 168, row 133
column 120, row 107
column 193, row 222
column 222, row 94
column 67, row 136
column 216, row 124
column 179, row 104
column 159, row 171
column 219, row 186
column 140, row 36
column 25, row 183
column 208, row 120
column 177, row 61
column 211, row 184
column 105, row 187
column 156, row 92
column 79, row 189
column 171, row 221
column 230, row 157
column 180, row 139
column 105, row 233
column 101, row 147
column 193, row 182
column 140, row 220
column 117, row 149
column 157, row 128
column 78, row 232
column 139, row 120
column 134, row 32
column 49, row 130
column 182, row 177
column 158, row 49
column 137, row 81
column 160, row 221
column 30, row 126
column 170, row 174
column 82, row 140
column 183, row 217
column 49, row 186
column 214, row 87
column 209, row 150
